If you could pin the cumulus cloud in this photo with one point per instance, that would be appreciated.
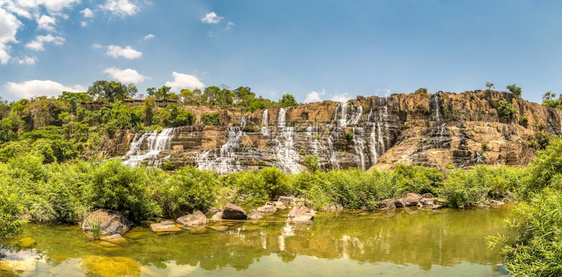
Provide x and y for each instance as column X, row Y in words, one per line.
column 341, row 97
column 229, row 25
column 38, row 43
column 46, row 22
column 34, row 88
column 25, row 60
column 314, row 96
column 121, row 8
column 87, row 13
column 128, row 52
column 149, row 36
column 125, row 75
column 211, row 18
column 9, row 26
column 182, row 81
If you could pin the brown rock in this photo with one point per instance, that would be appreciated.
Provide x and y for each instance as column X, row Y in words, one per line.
column 300, row 214
column 217, row 216
column 412, row 199
column 387, row 204
column 400, row 203
column 232, row 211
column 254, row 215
column 196, row 219
column 110, row 222
column 164, row 226
column 427, row 195
column 268, row 209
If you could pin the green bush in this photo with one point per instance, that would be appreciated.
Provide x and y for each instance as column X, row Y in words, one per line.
column 250, row 188
column 532, row 245
column 466, row 189
column 506, row 110
column 275, row 181
column 212, row 119
column 544, row 168
column 10, row 205
column 416, row 179
column 117, row 187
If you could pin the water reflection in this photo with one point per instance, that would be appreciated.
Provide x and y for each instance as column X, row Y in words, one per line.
column 409, row 241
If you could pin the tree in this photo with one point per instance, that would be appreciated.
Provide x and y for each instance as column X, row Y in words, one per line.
column 111, row 91
column 287, row 101
column 515, row 90
column 506, row 110
column 489, row 85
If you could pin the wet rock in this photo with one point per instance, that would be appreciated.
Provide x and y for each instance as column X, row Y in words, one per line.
column 114, row 238
column 214, row 210
column 232, row 211
column 27, row 265
column 286, row 199
column 496, row 202
column 268, row 209
column 334, row 208
column 279, row 205
column 26, row 243
column 109, row 222
column 300, row 214
column 387, row 204
column 427, row 202
column 110, row 266
column 217, row 216
column 481, row 206
column 254, row 215
column 412, row 199
column 195, row 219
column 427, row 195
column 400, row 203
column 436, row 207
column 219, row 228
column 164, row 226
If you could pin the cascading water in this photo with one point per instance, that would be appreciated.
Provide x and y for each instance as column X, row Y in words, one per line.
column 441, row 126
column 287, row 157
column 379, row 132
column 155, row 143
column 227, row 162
column 356, row 116
column 265, row 123
column 359, row 145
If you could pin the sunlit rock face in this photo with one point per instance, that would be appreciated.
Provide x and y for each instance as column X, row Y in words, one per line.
column 429, row 129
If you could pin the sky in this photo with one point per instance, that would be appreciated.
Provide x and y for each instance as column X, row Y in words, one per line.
column 315, row 50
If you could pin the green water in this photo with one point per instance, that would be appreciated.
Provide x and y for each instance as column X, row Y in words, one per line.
column 405, row 243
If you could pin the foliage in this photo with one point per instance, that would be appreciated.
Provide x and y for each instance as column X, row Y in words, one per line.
column 515, row 90
column 540, row 140
column 311, row 162
column 10, row 206
column 524, row 121
column 111, row 91
column 545, row 168
column 417, row 179
column 489, row 85
column 506, row 110
column 549, row 100
column 287, row 100
column 421, row 91
column 212, row 119
column 465, row 189
column 349, row 135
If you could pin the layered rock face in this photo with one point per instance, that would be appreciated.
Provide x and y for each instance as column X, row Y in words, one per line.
column 428, row 129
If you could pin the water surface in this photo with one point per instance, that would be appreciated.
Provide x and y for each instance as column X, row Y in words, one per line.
column 409, row 242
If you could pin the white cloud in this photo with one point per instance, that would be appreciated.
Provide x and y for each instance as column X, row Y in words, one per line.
column 97, row 46
column 182, row 81
column 9, row 26
column 314, row 96
column 25, row 60
column 46, row 22
column 341, row 97
column 121, row 8
column 229, row 25
column 34, row 88
column 87, row 13
column 37, row 44
column 125, row 75
column 83, row 24
column 52, row 6
column 211, row 18
column 149, row 36
column 11, row 7
column 128, row 52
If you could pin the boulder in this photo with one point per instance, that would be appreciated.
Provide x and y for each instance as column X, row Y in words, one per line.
column 412, row 199
column 232, row 211
column 195, row 219
column 336, row 208
column 114, row 238
column 427, row 195
column 254, row 215
column 496, row 202
column 268, row 209
column 427, row 202
column 279, row 205
column 213, row 210
column 286, row 199
column 400, row 203
column 164, row 226
column 387, row 204
column 109, row 222
column 300, row 214
column 217, row 216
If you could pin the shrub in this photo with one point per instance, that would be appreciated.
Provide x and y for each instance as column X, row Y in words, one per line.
column 117, row 187
column 524, row 121
column 275, row 181
column 466, row 189
column 506, row 110
column 544, row 168
column 212, row 119
column 417, row 179
column 250, row 188
column 311, row 162
column 349, row 135
column 10, row 206
column 540, row 140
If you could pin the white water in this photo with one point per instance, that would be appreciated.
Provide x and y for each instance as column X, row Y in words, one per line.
column 265, row 123
column 359, row 145
column 379, row 132
column 228, row 161
column 442, row 131
column 287, row 157
column 155, row 143
column 354, row 120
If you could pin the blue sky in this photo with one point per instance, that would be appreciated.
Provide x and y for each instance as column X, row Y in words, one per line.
column 315, row 50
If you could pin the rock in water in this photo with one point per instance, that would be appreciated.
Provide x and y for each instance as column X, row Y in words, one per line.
column 109, row 222
column 300, row 214
column 412, row 199
column 217, row 216
column 387, row 204
column 232, row 211
column 164, row 226
column 191, row 220
column 254, row 215
column 268, row 209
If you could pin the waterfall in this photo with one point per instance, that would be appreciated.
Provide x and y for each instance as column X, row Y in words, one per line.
column 441, row 126
column 359, row 145
column 333, row 153
column 340, row 121
column 155, row 143
column 379, row 132
column 264, row 123
column 354, row 120
column 284, row 150
column 228, row 161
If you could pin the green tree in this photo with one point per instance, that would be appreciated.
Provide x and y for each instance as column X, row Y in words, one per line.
column 506, row 110
column 287, row 100
column 515, row 90
column 111, row 91
column 489, row 85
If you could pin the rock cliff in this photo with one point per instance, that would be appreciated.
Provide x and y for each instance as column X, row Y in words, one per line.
column 429, row 129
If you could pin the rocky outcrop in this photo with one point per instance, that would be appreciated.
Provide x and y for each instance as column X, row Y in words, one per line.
column 193, row 220
column 300, row 214
column 108, row 222
column 232, row 211
column 438, row 129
